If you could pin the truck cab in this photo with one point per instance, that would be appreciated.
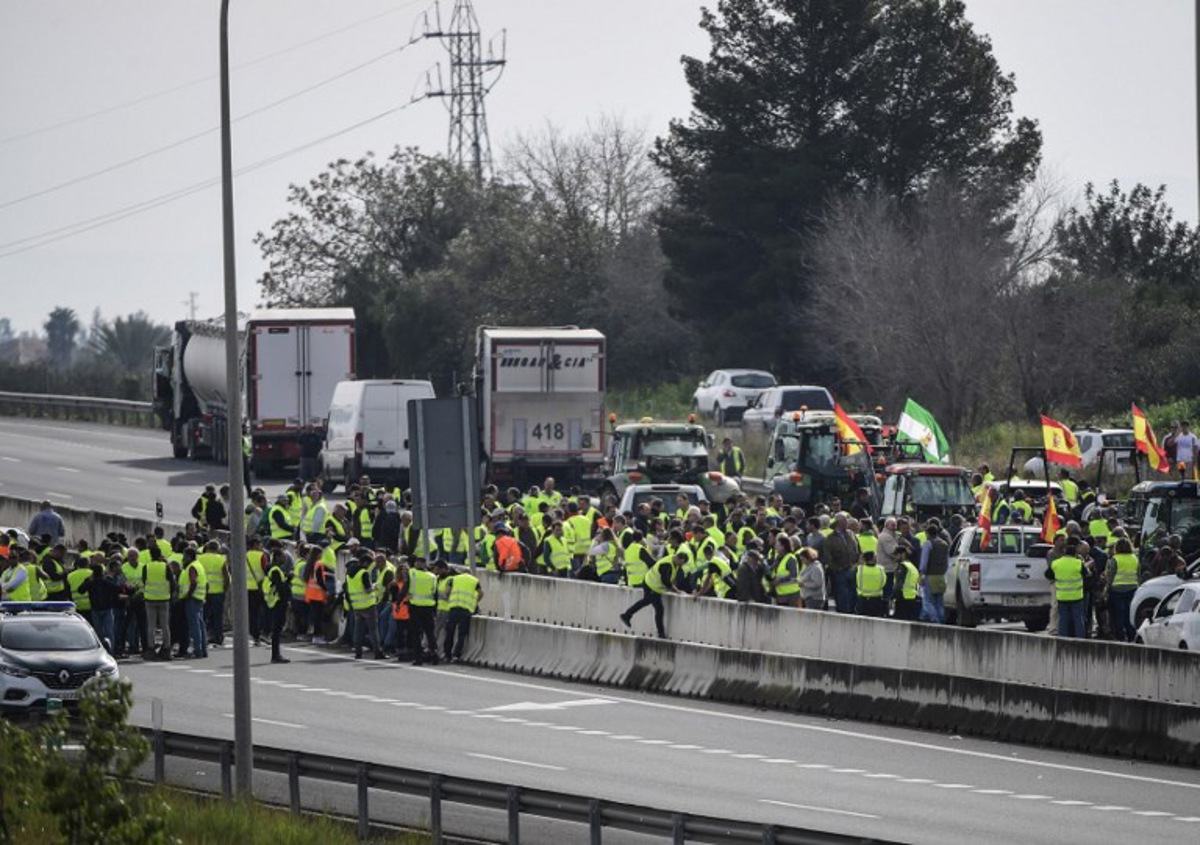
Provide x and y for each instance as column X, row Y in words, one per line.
column 650, row 452
column 924, row 490
column 808, row 463
column 1158, row 509
column 1006, row 579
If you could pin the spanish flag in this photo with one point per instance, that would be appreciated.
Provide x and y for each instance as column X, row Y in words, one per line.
column 1050, row 522
column 1143, row 435
column 1061, row 447
column 985, row 518
column 848, row 430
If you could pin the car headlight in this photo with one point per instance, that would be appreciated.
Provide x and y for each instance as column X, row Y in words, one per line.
column 14, row 671
column 108, row 670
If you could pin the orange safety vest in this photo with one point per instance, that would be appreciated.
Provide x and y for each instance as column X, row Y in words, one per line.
column 508, row 553
column 400, row 609
column 314, row 590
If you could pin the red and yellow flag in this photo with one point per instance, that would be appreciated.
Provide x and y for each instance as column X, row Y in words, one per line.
column 1147, row 444
column 1060, row 443
column 848, row 430
column 1050, row 522
column 985, row 518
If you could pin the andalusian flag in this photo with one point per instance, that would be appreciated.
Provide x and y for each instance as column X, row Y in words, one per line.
column 1147, row 444
column 848, row 430
column 1061, row 446
column 918, row 426
column 1050, row 522
column 985, row 518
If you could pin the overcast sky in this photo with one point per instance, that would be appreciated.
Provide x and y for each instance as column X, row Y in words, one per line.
column 86, row 87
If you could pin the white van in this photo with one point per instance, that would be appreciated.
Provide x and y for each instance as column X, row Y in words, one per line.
column 367, row 433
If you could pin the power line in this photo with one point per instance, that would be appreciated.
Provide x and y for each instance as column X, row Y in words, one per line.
column 79, row 227
column 167, row 91
column 183, row 141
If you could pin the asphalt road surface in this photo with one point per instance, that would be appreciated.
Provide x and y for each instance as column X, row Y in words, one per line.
column 677, row 753
column 106, row 468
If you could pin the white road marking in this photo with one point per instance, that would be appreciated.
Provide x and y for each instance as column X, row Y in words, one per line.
column 817, row 809
column 223, row 675
column 291, row 686
column 516, row 762
column 654, row 742
column 53, row 494
column 1031, row 797
column 625, row 736
column 778, row 760
column 1111, row 808
column 921, row 781
column 685, row 747
column 1187, row 818
column 270, row 722
column 459, row 712
column 485, row 716
column 850, row 772
column 586, row 733
column 812, row 766
column 68, row 469
column 202, row 671
column 563, row 728
column 881, row 776
column 558, row 705
column 716, row 751
column 129, row 480
column 314, row 689
column 959, row 786
column 1071, row 803
column 990, row 791
column 10, row 460
column 762, row 720
column 1152, row 813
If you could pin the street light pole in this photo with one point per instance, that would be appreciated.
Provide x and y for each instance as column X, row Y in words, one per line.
column 244, row 754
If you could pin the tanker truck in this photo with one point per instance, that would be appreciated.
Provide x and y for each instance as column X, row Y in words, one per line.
column 290, row 360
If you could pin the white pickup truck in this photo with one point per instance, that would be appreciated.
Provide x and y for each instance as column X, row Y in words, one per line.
column 1006, row 580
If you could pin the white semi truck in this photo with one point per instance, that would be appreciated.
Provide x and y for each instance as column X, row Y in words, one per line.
column 541, row 394
column 291, row 360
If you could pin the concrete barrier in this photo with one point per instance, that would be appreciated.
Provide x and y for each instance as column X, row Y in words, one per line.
column 1083, row 666
column 1012, row 712
column 88, row 525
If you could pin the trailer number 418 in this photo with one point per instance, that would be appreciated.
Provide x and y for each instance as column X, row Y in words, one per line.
column 549, row 431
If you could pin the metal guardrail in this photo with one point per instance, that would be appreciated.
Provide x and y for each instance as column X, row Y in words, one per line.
column 516, row 801
column 121, row 411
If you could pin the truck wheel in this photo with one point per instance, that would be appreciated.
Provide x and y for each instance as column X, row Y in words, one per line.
column 718, row 416
column 1037, row 624
column 966, row 615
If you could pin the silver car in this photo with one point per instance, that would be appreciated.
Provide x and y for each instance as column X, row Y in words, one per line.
column 773, row 403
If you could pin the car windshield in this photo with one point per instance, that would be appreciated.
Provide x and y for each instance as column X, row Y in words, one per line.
column 672, row 446
column 947, row 490
column 669, row 499
column 64, row 634
column 813, row 400
column 1007, row 541
column 1122, row 441
column 753, row 381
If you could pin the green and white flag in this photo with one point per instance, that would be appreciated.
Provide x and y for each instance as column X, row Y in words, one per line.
column 918, row 426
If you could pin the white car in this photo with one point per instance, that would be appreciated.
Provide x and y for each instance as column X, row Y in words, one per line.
column 47, row 651
column 773, row 403
column 1153, row 590
column 1006, row 580
column 1092, row 440
column 1176, row 621
column 635, row 494
column 725, row 394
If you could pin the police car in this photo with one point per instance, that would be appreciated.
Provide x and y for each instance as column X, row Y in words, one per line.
column 47, row 651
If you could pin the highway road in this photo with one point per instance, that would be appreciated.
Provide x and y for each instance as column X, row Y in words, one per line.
column 99, row 467
column 675, row 753
column 913, row 786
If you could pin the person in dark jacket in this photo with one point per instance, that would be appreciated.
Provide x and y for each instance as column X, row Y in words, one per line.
column 386, row 530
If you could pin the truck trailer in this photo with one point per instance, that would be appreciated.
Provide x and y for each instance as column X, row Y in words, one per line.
column 290, row 360
column 541, row 394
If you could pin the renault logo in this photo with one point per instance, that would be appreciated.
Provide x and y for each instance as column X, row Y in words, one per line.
column 64, row 676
